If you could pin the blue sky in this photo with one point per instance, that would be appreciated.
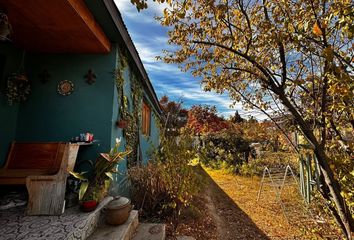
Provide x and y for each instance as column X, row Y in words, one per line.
column 150, row 38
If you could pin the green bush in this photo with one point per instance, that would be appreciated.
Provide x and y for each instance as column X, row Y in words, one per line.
column 168, row 183
column 223, row 148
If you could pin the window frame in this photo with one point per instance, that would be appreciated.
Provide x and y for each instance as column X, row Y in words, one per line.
column 146, row 119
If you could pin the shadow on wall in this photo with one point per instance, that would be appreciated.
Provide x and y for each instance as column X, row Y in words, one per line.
column 234, row 223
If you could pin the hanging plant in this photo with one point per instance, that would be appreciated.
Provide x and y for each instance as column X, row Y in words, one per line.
column 18, row 86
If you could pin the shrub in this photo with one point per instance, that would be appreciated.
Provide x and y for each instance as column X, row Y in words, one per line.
column 168, row 183
column 223, row 147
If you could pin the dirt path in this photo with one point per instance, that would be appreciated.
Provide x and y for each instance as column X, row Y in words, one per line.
column 228, row 209
column 237, row 214
column 230, row 220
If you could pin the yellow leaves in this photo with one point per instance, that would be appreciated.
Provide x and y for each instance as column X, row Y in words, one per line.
column 181, row 14
column 237, row 13
column 317, row 29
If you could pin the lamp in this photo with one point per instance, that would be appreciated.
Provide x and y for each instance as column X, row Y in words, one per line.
column 5, row 27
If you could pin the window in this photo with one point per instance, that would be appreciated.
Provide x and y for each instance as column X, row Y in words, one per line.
column 146, row 116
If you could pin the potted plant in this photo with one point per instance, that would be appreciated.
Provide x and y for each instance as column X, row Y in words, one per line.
column 95, row 187
column 122, row 123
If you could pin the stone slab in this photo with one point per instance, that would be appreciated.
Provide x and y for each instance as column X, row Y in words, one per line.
column 185, row 238
column 121, row 232
column 150, row 231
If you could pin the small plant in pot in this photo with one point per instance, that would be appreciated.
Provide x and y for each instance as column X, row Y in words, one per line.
column 122, row 123
column 95, row 187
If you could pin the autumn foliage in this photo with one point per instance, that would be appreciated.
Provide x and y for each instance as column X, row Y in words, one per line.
column 204, row 119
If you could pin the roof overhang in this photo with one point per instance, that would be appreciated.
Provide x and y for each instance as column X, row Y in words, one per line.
column 55, row 26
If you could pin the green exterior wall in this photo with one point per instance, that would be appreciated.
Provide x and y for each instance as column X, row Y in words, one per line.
column 8, row 114
column 49, row 116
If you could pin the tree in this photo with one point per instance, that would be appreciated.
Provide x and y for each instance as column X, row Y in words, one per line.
column 176, row 115
column 284, row 57
column 236, row 118
column 204, row 119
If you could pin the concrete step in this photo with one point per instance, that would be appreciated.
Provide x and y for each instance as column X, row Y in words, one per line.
column 121, row 232
column 150, row 231
column 185, row 238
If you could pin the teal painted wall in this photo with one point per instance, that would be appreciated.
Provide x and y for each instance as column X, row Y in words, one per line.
column 121, row 186
column 49, row 116
column 8, row 114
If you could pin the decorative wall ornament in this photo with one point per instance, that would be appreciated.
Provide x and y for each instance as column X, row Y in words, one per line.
column 5, row 27
column 65, row 87
column 90, row 77
column 44, row 76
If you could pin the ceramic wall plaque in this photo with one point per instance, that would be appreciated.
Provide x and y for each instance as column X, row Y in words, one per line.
column 65, row 87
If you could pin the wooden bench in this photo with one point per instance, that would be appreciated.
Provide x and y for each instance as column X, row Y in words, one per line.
column 43, row 167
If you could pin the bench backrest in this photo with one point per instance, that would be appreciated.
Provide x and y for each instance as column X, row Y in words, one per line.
column 45, row 157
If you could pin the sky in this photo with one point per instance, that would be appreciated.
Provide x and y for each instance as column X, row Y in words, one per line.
column 150, row 38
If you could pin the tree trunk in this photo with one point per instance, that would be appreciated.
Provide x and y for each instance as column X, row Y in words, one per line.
column 341, row 209
column 334, row 192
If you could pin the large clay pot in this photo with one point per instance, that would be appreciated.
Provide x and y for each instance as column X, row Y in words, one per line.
column 118, row 211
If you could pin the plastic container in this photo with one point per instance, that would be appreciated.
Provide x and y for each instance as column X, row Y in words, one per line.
column 118, row 211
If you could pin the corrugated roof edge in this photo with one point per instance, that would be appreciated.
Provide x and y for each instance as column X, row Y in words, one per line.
column 118, row 21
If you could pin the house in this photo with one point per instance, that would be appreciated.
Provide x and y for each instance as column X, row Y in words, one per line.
column 84, row 75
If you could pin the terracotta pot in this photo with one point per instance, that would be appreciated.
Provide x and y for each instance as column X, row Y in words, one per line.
column 118, row 211
column 89, row 206
column 122, row 123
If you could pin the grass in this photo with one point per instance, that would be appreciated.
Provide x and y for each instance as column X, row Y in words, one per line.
column 267, row 213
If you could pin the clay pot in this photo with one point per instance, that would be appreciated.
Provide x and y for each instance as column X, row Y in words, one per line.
column 118, row 211
column 89, row 206
column 122, row 123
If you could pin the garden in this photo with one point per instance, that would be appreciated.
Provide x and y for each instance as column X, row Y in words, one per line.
column 292, row 61
column 204, row 180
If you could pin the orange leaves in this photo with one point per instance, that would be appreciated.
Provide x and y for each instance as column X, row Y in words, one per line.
column 317, row 29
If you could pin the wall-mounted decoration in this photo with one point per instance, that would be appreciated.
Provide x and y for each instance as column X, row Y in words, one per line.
column 5, row 27
column 44, row 76
column 18, row 88
column 65, row 87
column 90, row 77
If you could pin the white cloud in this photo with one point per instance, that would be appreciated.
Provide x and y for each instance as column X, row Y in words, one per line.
column 150, row 38
column 129, row 11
